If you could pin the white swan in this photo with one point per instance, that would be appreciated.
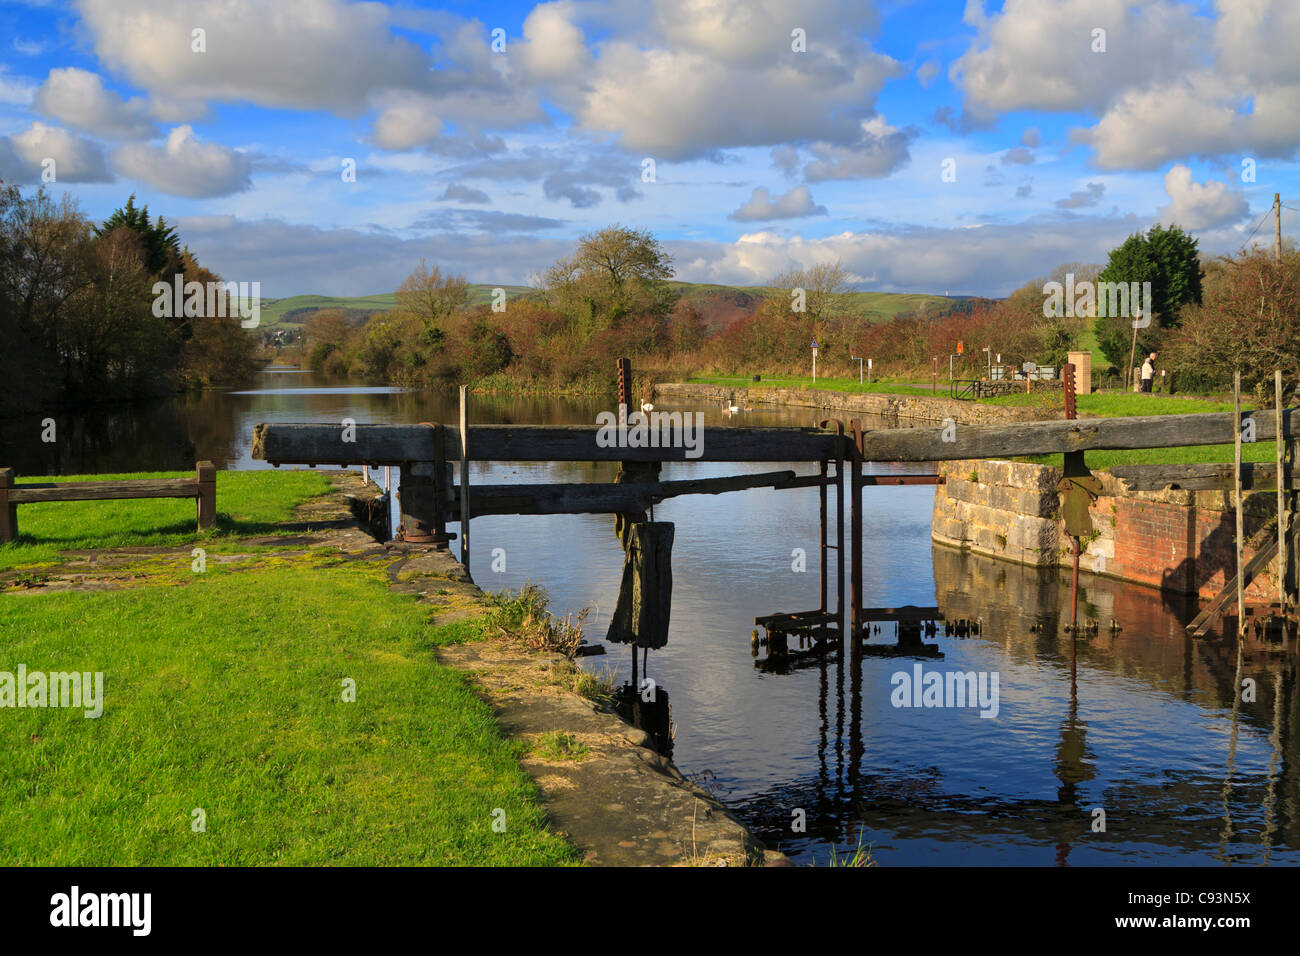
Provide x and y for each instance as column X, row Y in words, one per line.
column 647, row 407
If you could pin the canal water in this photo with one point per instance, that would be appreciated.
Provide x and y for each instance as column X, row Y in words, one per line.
column 1133, row 746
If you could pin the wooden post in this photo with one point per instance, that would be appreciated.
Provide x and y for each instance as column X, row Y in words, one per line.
column 855, row 531
column 8, row 511
column 365, row 474
column 464, row 477
column 1241, row 579
column 821, row 535
column 207, row 480
column 1282, row 561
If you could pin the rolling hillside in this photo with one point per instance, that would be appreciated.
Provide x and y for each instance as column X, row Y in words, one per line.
column 719, row 305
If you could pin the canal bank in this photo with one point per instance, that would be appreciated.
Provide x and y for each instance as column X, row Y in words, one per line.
column 603, row 785
column 894, row 410
column 1178, row 541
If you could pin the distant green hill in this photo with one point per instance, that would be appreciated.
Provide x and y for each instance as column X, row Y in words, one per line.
column 719, row 305
column 295, row 309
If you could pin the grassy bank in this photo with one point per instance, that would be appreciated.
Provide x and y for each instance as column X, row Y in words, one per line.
column 826, row 384
column 248, row 503
column 225, row 692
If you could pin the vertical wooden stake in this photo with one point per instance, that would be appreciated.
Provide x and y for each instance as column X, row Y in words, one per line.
column 206, row 476
column 1236, row 481
column 464, row 477
column 8, row 512
column 821, row 537
column 1282, row 536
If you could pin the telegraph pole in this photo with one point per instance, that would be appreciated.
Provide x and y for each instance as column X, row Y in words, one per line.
column 1277, row 227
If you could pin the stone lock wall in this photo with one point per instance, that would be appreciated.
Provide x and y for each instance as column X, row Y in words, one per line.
column 1179, row 541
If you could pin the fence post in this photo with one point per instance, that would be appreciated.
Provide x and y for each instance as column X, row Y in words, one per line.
column 207, row 481
column 8, row 511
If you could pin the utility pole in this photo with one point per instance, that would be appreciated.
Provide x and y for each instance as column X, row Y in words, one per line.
column 1277, row 227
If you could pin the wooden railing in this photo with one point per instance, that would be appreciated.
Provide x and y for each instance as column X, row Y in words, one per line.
column 203, row 488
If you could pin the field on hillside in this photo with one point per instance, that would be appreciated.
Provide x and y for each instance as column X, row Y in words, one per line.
column 295, row 309
column 719, row 305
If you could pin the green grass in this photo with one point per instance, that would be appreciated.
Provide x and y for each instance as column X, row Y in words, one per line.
column 1117, row 405
column 827, row 384
column 248, row 503
column 226, row 694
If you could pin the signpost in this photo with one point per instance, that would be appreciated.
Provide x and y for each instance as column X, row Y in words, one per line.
column 814, row 351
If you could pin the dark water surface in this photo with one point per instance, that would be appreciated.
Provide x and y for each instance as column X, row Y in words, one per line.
column 1142, row 725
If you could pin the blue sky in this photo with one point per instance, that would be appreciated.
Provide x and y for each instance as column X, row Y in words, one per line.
column 928, row 146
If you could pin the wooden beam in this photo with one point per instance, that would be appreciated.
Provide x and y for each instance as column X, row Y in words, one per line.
column 1201, row 623
column 1206, row 476
column 104, row 490
column 1236, row 485
column 908, row 613
column 619, row 498
column 392, row 444
column 1054, row 438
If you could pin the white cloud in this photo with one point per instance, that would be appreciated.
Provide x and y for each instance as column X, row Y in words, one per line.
column 795, row 204
column 183, row 166
column 309, row 54
column 553, row 48
column 1200, row 205
column 405, row 120
column 78, row 98
column 879, row 150
column 76, row 160
column 1038, row 54
column 16, row 90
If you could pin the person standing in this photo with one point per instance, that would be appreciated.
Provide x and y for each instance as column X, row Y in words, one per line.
column 1148, row 372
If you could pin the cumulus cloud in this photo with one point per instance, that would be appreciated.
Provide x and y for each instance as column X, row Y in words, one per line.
column 561, row 176
column 708, row 75
column 761, row 205
column 1018, row 155
column 1031, row 138
column 26, row 156
column 1082, row 198
column 554, row 48
column 990, row 259
column 464, row 194
column 290, row 258
column 1172, row 84
column 879, row 151
column 313, row 54
column 1196, row 205
column 183, row 166
column 78, row 98
column 406, row 120
column 1038, row 54
column 926, row 72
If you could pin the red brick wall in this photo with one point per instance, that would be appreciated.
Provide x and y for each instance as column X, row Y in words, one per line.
column 1177, row 547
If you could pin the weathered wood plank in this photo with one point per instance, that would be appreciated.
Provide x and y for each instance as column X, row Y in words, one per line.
column 392, row 444
column 1204, row 476
column 1050, row 438
column 378, row 444
column 609, row 498
column 1201, row 623
column 104, row 490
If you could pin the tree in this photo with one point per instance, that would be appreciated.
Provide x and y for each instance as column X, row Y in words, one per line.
column 431, row 297
column 1249, row 321
column 162, row 250
column 823, row 288
column 1168, row 259
column 615, row 276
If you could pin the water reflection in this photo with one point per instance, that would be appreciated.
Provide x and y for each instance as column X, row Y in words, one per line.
column 1143, row 726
